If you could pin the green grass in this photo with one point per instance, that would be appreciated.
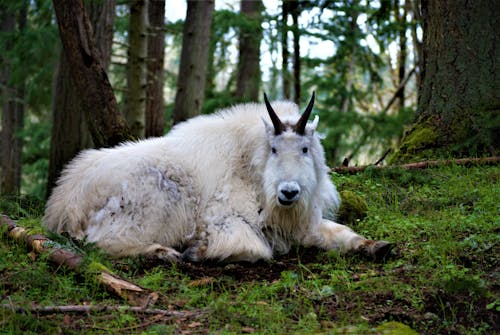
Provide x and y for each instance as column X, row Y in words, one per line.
column 443, row 279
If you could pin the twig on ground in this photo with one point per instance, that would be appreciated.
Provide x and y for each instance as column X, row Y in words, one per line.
column 418, row 165
column 100, row 308
column 132, row 293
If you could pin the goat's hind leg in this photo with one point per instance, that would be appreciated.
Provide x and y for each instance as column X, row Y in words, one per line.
column 135, row 248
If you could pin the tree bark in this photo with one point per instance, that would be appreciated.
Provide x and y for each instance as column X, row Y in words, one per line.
column 285, row 74
column 295, row 11
column 194, row 59
column 137, row 67
column 13, row 111
column 102, row 17
column 107, row 126
column 401, row 21
column 458, row 108
column 248, row 81
column 417, row 44
column 155, row 120
column 70, row 132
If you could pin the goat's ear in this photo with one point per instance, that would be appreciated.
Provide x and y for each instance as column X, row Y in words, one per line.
column 311, row 127
column 315, row 122
column 269, row 127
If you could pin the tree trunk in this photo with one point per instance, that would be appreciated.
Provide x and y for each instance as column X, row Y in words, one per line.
column 295, row 11
column 107, row 126
column 155, row 119
column 102, row 17
column 458, row 107
column 248, row 81
column 70, row 133
column 194, row 60
column 13, row 112
column 417, row 44
column 137, row 67
column 401, row 21
column 284, row 49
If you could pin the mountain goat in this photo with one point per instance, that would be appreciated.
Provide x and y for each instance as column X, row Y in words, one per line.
column 241, row 185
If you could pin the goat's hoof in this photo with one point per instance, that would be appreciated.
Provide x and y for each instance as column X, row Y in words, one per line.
column 376, row 249
column 195, row 253
column 168, row 254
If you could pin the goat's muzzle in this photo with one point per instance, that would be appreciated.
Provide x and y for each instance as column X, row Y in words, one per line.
column 288, row 193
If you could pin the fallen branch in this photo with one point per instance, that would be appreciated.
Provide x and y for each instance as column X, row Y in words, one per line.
column 98, row 309
column 418, row 165
column 132, row 293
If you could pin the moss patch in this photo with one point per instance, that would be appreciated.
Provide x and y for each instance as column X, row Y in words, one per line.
column 352, row 209
column 395, row 328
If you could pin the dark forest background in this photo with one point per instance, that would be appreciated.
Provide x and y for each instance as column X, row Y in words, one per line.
column 395, row 80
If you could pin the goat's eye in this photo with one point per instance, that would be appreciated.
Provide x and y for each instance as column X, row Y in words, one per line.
column 273, row 150
column 305, row 150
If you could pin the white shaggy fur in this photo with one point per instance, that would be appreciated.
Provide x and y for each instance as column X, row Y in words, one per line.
column 211, row 189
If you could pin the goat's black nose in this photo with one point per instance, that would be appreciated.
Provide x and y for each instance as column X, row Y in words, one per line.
column 289, row 194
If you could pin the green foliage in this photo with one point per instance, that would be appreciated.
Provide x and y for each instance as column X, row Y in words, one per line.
column 31, row 63
column 349, row 84
column 36, row 135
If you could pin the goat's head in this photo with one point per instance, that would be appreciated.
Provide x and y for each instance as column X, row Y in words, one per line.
column 291, row 170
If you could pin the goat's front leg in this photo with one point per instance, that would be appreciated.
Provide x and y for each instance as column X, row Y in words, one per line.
column 333, row 236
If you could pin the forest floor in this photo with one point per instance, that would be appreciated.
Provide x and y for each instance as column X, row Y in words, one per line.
column 442, row 278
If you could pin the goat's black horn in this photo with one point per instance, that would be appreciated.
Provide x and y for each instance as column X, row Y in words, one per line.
column 300, row 127
column 278, row 125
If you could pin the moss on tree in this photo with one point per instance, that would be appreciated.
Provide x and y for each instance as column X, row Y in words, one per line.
column 419, row 143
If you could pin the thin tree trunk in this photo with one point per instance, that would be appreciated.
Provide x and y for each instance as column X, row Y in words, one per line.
column 107, row 126
column 68, row 123
column 20, row 105
column 13, row 112
column 417, row 44
column 155, row 120
column 248, row 81
column 70, row 132
column 194, row 59
column 295, row 11
column 137, row 67
column 401, row 21
column 285, row 75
